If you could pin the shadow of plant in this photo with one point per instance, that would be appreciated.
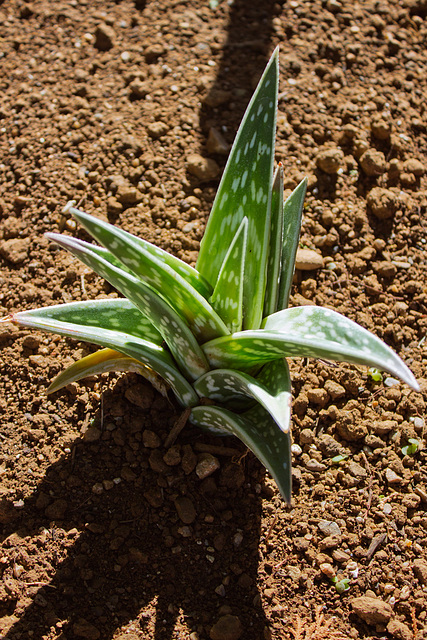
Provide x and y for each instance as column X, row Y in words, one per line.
column 245, row 53
column 118, row 561
column 115, row 551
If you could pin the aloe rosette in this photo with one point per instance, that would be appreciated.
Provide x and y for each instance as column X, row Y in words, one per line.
column 223, row 330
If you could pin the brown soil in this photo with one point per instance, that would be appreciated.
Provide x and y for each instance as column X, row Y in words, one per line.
column 105, row 534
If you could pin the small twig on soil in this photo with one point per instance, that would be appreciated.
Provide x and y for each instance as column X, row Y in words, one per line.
column 215, row 449
column 82, row 285
column 414, row 623
column 375, row 544
column 270, row 530
column 102, row 411
column 177, row 428
column 240, row 457
column 371, row 480
column 38, row 584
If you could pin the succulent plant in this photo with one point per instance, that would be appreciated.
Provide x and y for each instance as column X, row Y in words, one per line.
column 216, row 335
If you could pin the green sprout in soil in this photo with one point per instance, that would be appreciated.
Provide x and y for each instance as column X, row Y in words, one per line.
column 411, row 448
column 342, row 585
column 375, row 374
column 218, row 335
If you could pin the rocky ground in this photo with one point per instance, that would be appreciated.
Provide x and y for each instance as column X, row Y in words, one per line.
column 130, row 108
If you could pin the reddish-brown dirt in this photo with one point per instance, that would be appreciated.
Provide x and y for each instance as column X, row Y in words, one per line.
column 104, row 533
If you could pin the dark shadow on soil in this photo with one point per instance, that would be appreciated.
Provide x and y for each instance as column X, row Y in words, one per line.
column 122, row 554
column 245, row 55
column 125, row 551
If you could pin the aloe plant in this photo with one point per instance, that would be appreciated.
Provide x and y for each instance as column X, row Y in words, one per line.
column 221, row 331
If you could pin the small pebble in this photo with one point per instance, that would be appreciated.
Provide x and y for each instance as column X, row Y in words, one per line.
column 185, row 509
column 392, row 477
column 330, row 160
column 327, row 569
column 228, row 627
column 207, row 466
column 308, row 260
column 204, row 169
column 329, row 528
column 372, row 610
column 216, row 143
column 382, row 203
column 296, row 449
column 373, row 163
column 104, row 37
column 157, row 129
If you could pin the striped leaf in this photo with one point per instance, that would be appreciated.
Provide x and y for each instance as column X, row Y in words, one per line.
column 245, row 190
column 276, row 243
column 292, row 215
column 227, row 298
column 190, row 275
column 224, row 385
column 260, row 434
column 105, row 361
column 60, row 319
column 116, row 314
column 140, row 257
column 306, row 332
column 172, row 327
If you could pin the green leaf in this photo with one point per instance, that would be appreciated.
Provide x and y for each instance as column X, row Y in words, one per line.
column 306, row 332
column 276, row 243
column 259, row 432
column 375, row 375
column 116, row 314
column 104, row 361
column 275, row 375
column 191, row 275
column 141, row 258
column 227, row 298
column 411, row 448
column 223, row 385
column 169, row 323
column 292, row 215
column 56, row 319
column 245, row 190
column 322, row 330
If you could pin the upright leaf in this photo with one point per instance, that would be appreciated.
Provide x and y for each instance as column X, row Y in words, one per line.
column 245, row 190
column 170, row 324
column 276, row 243
column 292, row 215
column 140, row 257
column 227, row 298
column 259, row 432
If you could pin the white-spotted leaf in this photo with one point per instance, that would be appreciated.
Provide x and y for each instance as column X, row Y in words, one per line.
column 260, row 434
column 276, row 243
column 175, row 332
column 191, row 275
column 245, row 190
column 226, row 384
column 306, row 332
column 60, row 319
column 105, row 361
column 140, row 258
column 292, row 215
column 227, row 298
